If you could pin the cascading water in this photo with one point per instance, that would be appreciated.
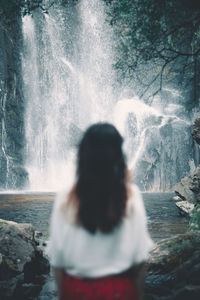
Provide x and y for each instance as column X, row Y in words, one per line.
column 157, row 142
column 69, row 84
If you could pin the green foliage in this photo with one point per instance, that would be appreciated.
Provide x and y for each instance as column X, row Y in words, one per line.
column 159, row 26
column 156, row 32
column 151, row 30
column 12, row 8
column 194, row 223
column 8, row 9
column 182, row 248
column 2, row 224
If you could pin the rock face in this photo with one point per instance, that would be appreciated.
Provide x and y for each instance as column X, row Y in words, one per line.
column 185, row 208
column 196, row 131
column 12, row 142
column 162, row 164
column 22, row 265
column 189, row 187
column 174, row 269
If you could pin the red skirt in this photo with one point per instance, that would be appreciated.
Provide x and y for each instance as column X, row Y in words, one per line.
column 105, row 288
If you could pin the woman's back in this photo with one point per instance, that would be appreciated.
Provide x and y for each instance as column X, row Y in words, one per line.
column 84, row 254
column 98, row 227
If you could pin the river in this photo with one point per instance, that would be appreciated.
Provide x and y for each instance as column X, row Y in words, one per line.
column 163, row 217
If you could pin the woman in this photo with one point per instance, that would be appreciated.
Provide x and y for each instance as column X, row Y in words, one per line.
column 99, row 240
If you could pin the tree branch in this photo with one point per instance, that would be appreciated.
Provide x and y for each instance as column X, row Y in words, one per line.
column 160, row 74
column 184, row 54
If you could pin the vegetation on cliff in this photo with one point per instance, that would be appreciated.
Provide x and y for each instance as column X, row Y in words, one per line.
column 161, row 36
column 194, row 223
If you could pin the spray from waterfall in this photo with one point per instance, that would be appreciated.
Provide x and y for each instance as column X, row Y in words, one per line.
column 69, row 83
column 65, row 90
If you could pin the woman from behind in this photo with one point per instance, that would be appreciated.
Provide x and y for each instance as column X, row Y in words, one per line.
column 99, row 239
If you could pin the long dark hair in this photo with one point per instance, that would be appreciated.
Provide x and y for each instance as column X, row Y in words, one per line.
column 101, row 179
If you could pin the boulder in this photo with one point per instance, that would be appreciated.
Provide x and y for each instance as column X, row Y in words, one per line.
column 174, row 269
column 185, row 208
column 189, row 187
column 22, row 264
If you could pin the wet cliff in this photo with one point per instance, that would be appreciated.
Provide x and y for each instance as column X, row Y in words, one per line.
column 12, row 141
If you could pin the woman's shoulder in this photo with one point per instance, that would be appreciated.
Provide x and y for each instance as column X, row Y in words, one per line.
column 60, row 198
column 135, row 190
column 65, row 205
column 135, row 203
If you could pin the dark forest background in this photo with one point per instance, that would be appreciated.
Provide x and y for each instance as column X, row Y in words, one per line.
column 164, row 34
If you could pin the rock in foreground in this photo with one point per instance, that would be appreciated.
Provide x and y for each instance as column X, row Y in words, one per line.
column 174, row 269
column 22, row 265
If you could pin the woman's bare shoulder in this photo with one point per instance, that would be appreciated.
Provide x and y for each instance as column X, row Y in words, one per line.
column 135, row 201
column 66, row 205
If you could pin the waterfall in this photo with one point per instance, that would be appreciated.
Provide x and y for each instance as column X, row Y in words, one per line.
column 68, row 77
column 69, row 83
column 96, row 60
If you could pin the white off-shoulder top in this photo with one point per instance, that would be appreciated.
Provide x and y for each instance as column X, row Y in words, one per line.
column 83, row 254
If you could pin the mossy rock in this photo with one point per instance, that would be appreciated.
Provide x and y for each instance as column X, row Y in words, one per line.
column 174, row 267
column 2, row 224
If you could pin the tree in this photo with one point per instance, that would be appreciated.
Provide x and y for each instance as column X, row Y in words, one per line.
column 163, row 32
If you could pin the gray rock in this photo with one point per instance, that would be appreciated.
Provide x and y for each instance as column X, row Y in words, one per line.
column 16, row 244
column 185, row 208
column 22, row 264
column 174, row 268
column 189, row 187
column 7, row 287
column 163, row 162
column 49, row 290
column 28, row 291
